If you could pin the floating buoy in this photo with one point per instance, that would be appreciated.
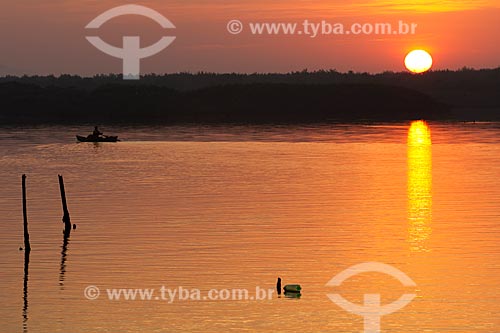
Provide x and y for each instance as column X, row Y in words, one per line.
column 292, row 288
column 293, row 295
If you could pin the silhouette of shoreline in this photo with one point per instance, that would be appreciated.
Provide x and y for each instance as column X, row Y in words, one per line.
column 301, row 97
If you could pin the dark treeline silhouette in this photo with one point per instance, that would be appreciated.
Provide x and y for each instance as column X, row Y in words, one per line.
column 252, row 103
column 464, row 87
column 304, row 96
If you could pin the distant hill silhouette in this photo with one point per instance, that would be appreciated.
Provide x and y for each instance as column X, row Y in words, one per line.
column 304, row 96
column 250, row 103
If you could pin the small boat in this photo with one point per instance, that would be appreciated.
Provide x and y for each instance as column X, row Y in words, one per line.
column 91, row 138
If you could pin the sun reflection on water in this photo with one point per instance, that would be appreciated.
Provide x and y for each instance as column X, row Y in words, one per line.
column 419, row 186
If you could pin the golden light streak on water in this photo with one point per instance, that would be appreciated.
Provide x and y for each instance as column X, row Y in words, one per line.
column 419, row 185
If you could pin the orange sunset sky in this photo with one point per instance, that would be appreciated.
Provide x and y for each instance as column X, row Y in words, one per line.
column 48, row 37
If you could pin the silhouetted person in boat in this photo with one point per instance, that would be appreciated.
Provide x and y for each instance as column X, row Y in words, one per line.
column 96, row 133
column 278, row 286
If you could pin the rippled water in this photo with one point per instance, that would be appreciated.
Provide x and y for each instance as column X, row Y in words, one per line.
column 236, row 207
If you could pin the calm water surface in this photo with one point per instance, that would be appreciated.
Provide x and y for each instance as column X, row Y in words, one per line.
column 235, row 207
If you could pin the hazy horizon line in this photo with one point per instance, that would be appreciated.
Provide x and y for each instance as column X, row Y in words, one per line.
column 303, row 71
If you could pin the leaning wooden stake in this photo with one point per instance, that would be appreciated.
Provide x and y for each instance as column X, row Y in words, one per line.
column 27, row 246
column 66, row 219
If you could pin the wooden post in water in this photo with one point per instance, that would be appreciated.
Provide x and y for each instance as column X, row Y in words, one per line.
column 66, row 219
column 27, row 246
column 25, row 290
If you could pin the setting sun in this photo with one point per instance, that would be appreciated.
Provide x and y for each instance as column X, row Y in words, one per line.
column 418, row 61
